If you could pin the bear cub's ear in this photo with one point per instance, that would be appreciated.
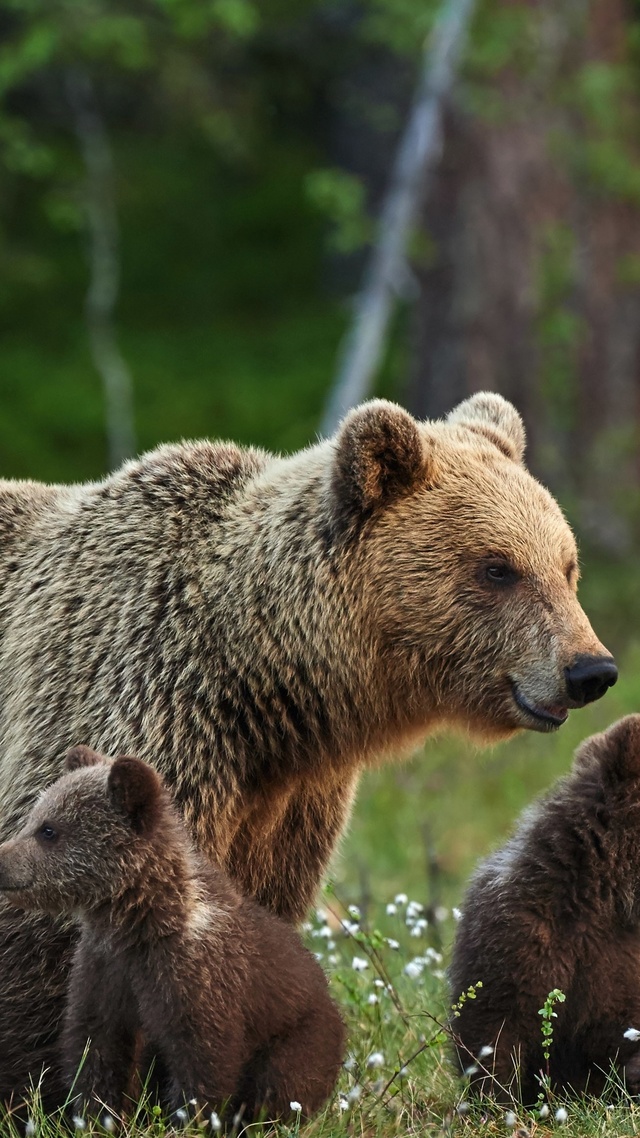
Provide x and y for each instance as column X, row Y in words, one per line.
column 615, row 752
column 81, row 756
column 135, row 791
column 381, row 454
column 493, row 417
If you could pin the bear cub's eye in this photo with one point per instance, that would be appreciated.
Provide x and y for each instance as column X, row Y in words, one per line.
column 501, row 573
column 47, row 833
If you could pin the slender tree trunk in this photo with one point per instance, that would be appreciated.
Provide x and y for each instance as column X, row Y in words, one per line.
column 419, row 149
column 102, row 294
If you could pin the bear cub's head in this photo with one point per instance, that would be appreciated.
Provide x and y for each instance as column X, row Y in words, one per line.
column 608, row 765
column 87, row 837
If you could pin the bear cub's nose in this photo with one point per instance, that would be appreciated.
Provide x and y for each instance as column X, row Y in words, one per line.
column 589, row 677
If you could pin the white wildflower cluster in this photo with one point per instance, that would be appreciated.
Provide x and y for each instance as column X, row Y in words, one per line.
column 296, row 1106
column 375, row 1059
column 429, row 958
column 359, row 963
column 633, row 1034
column 215, row 1122
column 562, row 1114
column 350, row 928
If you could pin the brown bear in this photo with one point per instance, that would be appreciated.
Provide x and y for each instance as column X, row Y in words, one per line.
column 236, row 1010
column 264, row 628
column 558, row 907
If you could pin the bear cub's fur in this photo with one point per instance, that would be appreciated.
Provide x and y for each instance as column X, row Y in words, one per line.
column 558, row 907
column 221, row 991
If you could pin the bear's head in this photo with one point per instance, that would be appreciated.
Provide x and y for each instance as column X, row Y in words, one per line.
column 611, row 760
column 465, row 567
column 86, row 838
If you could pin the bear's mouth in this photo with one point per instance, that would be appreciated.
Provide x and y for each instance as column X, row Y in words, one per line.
column 544, row 718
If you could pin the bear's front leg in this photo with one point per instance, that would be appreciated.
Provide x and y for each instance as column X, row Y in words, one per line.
column 198, row 1040
column 98, row 1037
column 280, row 861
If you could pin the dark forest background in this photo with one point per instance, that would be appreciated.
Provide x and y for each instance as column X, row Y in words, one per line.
column 249, row 146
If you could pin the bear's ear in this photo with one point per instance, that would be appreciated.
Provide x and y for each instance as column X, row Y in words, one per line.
column 81, row 756
column 615, row 752
column 135, row 791
column 381, row 454
column 488, row 414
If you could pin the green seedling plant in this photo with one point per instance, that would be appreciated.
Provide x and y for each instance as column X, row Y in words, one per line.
column 555, row 996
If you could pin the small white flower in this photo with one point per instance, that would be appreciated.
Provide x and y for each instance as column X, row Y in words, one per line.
column 79, row 1123
column 472, row 1070
column 440, row 913
column 342, row 1103
column 354, row 1094
column 438, row 974
column 379, row 983
column 215, row 1121
column 544, row 1110
column 354, row 912
column 181, row 1116
column 296, row 1106
column 236, row 1121
column 456, row 913
column 376, row 1059
column 463, row 1108
column 306, row 926
column 413, row 969
column 350, row 927
column 414, row 909
column 359, row 963
column 431, row 954
column 349, row 1063
column 633, row 1034
column 393, row 944
column 30, row 1128
column 401, row 898
column 372, row 999
column 108, row 1122
column 562, row 1114
column 510, row 1118
column 325, row 932
column 334, row 958
column 485, row 1051
column 391, row 909
column 321, row 916
column 331, row 944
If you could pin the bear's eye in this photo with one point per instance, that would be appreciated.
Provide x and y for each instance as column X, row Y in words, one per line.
column 47, row 833
column 501, row 573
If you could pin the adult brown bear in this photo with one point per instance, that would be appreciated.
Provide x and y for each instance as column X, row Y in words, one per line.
column 264, row 627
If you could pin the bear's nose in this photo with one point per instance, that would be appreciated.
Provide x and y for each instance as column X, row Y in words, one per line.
column 589, row 677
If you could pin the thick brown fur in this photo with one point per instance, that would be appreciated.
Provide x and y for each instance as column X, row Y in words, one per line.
column 558, row 907
column 236, row 1011
column 265, row 627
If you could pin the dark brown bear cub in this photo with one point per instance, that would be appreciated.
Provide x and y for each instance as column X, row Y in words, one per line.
column 559, row 907
column 221, row 991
